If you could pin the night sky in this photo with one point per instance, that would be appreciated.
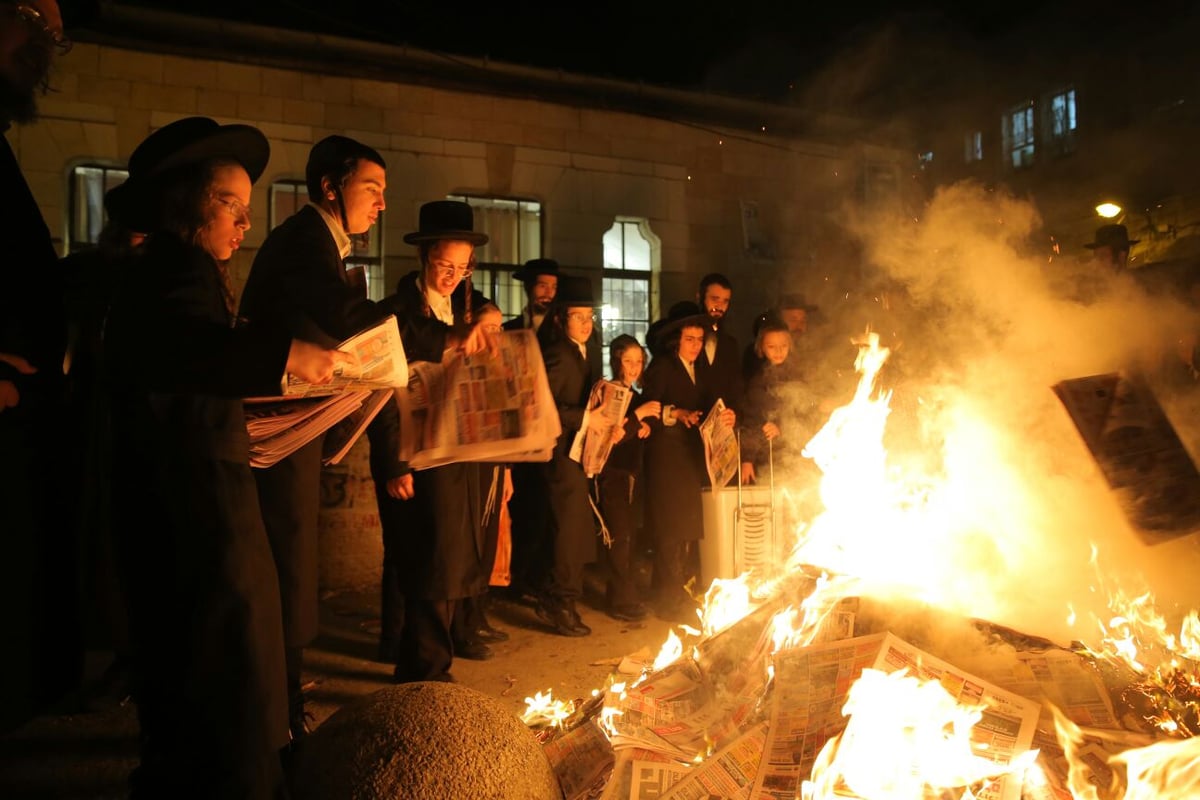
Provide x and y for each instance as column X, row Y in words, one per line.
column 756, row 49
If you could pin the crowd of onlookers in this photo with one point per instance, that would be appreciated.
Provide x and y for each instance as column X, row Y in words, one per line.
column 127, row 483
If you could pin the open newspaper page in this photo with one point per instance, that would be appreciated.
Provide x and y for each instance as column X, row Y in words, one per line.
column 721, row 454
column 605, row 412
column 379, row 363
column 728, row 773
column 811, row 688
column 581, row 759
column 494, row 405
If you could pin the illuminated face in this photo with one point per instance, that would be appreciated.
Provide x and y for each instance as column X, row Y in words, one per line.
column 449, row 262
column 542, row 291
column 489, row 319
column 775, row 346
column 632, row 362
column 362, row 196
column 579, row 323
column 796, row 319
column 29, row 33
column 691, row 342
column 716, row 301
column 228, row 212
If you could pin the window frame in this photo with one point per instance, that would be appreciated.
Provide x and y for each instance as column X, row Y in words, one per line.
column 651, row 277
column 494, row 277
column 72, row 242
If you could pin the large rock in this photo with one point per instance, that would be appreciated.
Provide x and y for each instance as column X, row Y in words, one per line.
column 424, row 741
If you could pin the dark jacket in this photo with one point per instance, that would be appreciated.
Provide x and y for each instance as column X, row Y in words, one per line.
column 443, row 554
column 776, row 394
column 724, row 374
column 202, row 588
column 674, row 463
column 299, row 281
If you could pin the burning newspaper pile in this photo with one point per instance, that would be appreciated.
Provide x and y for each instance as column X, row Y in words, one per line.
column 800, row 684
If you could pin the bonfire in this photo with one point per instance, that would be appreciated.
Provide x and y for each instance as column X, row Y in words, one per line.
column 848, row 671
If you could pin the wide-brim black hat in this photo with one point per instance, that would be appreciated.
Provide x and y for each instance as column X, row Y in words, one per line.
column 443, row 220
column 194, row 139
column 1116, row 236
column 535, row 267
column 575, row 290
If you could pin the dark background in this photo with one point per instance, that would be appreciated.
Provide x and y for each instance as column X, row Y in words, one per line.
column 754, row 49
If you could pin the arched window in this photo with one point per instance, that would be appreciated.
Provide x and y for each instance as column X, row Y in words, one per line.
column 86, row 190
column 366, row 257
column 632, row 258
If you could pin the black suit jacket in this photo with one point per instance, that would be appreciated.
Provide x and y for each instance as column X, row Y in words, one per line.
column 298, row 280
column 724, row 374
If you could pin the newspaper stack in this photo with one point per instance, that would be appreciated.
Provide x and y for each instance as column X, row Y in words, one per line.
column 280, row 425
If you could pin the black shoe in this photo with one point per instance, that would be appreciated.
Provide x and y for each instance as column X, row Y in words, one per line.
column 474, row 650
column 634, row 612
column 562, row 617
column 486, row 633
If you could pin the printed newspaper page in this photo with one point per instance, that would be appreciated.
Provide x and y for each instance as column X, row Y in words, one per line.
column 580, row 759
column 721, row 454
column 729, row 773
column 652, row 772
column 491, row 406
column 1007, row 727
column 605, row 412
column 380, row 363
column 811, row 686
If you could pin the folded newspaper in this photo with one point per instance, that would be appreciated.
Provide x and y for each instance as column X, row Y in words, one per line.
column 605, row 412
column 721, row 453
column 280, row 425
column 494, row 405
column 379, row 362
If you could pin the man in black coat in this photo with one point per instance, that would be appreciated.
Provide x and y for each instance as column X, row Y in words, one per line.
column 572, row 355
column 529, row 508
column 719, row 364
column 540, row 279
column 40, row 612
column 299, row 281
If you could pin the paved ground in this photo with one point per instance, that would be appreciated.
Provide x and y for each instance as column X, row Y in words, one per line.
column 72, row 756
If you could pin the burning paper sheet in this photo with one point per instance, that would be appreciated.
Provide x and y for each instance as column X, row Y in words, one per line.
column 1138, row 451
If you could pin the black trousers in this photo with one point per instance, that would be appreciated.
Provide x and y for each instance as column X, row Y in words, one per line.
column 616, row 506
column 425, row 651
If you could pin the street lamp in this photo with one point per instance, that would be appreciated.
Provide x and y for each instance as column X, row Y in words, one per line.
column 1108, row 210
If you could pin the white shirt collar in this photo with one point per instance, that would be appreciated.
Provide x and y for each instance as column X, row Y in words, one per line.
column 439, row 303
column 336, row 230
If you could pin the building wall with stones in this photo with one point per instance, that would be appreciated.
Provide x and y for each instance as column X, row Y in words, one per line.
column 691, row 182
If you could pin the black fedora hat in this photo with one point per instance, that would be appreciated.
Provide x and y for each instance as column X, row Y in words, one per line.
column 1115, row 236
column 194, row 139
column 535, row 267
column 575, row 290
column 446, row 219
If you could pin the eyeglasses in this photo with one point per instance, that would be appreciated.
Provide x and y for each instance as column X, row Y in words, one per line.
column 236, row 208
column 581, row 316
column 37, row 21
column 447, row 270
